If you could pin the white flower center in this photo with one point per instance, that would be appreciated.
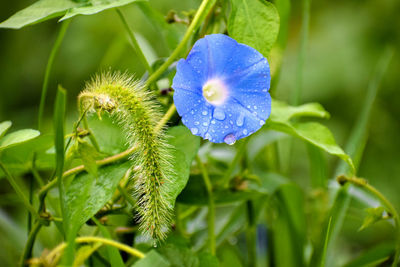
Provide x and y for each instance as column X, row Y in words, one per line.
column 214, row 91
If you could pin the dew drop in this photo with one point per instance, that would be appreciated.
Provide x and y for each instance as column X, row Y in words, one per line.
column 230, row 139
column 248, row 106
column 194, row 130
column 262, row 122
column 213, row 122
column 155, row 244
column 205, row 123
column 204, row 112
column 192, row 112
column 244, row 131
column 207, row 136
column 219, row 114
column 196, row 123
column 240, row 120
column 255, row 107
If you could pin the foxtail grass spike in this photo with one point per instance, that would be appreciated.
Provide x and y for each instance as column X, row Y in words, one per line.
column 136, row 111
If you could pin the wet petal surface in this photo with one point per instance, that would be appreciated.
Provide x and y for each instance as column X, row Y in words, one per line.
column 219, row 60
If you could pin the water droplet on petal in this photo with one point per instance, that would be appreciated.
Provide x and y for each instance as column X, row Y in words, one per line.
column 244, row 131
column 230, row 139
column 240, row 120
column 213, row 122
column 196, row 123
column 219, row 114
column 248, row 106
column 204, row 112
column 194, row 130
column 192, row 112
column 205, row 123
column 207, row 136
column 262, row 122
column 255, row 107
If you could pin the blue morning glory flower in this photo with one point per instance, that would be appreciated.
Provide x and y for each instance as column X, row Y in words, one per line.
column 221, row 89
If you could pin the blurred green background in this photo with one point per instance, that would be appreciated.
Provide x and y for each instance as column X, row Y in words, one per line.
column 346, row 40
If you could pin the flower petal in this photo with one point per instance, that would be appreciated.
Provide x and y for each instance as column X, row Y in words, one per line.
column 245, row 75
column 237, row 121
column 198, row 119
column 187, row 78
column 256, row 78
column 186, row 100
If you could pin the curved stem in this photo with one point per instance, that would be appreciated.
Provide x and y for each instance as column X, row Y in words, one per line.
column 384, row 201
column 91, row 239
column 205, row 5
column 211, row 205
column 81, row 168
column 135, row 43
column 166, row 118
column 27, row 253
column 49, row 66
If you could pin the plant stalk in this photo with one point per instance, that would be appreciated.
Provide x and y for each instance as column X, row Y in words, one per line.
column 211, row 205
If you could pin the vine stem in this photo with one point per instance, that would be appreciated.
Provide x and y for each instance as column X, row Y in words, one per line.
column 170, row 112
column 211, row 205
column 360, row 182
column 192, row 28
column 19, row 191
column 29, row 243
column 135, row 43
column 94, row 239
column 81, row 168
column 49, row 66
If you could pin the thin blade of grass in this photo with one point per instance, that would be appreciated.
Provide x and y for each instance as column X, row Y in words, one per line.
column 355, row 148
column 49, row 66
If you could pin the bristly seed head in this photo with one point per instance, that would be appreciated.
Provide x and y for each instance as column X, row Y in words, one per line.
column 136, row 111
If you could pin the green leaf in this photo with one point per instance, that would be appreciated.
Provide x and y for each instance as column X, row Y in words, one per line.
column 179, row 255
column 113, row 254
column 153, row 258
column 282, row 112
column 375, row 256
column 255, row 23
column 18, row 159
column 95, row 6
column 39, row 11
column 373, row 215
column 88, row 154
column 312, row 132
column 86, row 195
column 208, row 260
column 17, row 138
column 109, row 135
column 184, row 149
column 4, row 126
column 43, row 10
